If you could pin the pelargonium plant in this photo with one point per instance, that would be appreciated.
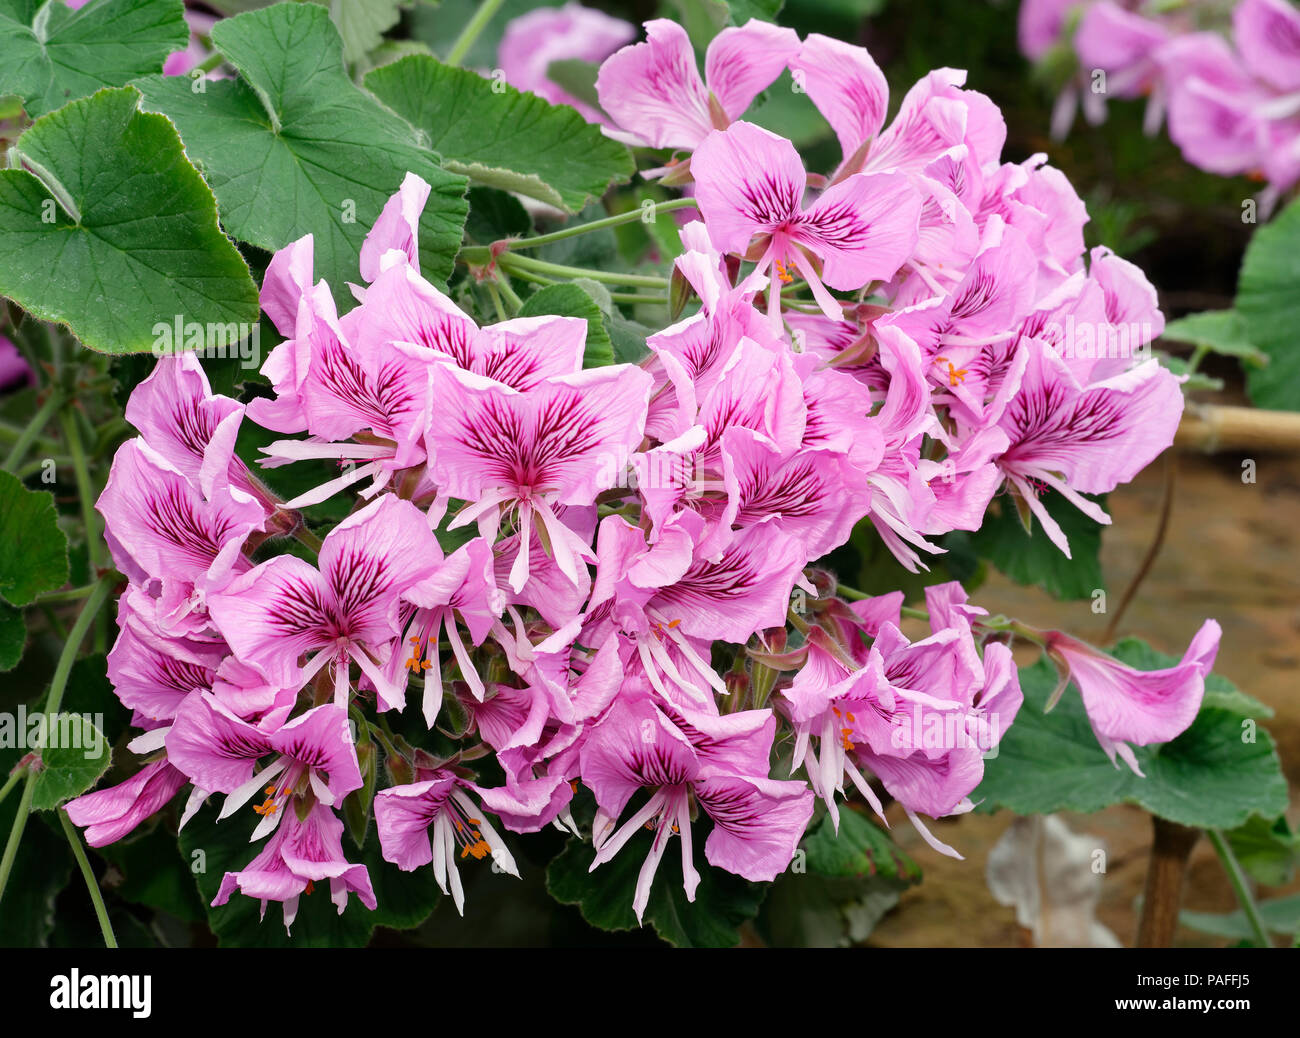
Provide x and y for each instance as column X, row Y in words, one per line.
column 880, row 342
column 607, row 501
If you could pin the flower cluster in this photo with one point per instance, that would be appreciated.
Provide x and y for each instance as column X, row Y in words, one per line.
column 1232, row 91
column 604, row 573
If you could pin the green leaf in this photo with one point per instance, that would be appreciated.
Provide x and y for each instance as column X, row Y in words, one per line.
column 74, row 754
column 860, row 850
column 494, row 215
column 628, row 339
column 1032, row 559
column 576, row 78
column 41, row 869
column 151, row 871
column 764, row 10
column 1268, row 299
column 846, row 882
column 1209, row 777
column 702, row 19
column 1279, row 914
column 13, row 636
column 1219, row 331
column 294, row 147
column 722, row 901
column 1268, row 850
column 115, row 231
column 500, row 137
column 33, row 550
column 362, row 23
column 53, row 54
column 570, row 300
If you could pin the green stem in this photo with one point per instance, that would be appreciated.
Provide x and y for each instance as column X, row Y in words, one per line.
column 531, row 278
column 631, row 216
column 304, row 536
column 507, row 290
column 209, row 63
column 1240, row 887
column 632, row 297
column 509, row 261
column 496, row 300
column 64, row 667
column 32, row 431
column 16, row 832
column 10, row 433
column 17, row 774
column 78, row 852
column 74, row 594
column 37, row 464
column 89, row 518
column 486, row 9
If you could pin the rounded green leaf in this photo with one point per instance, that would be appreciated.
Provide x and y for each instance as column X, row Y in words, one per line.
column 294, row 147
column 500, row 137
column 112, row 232
column 53, row 54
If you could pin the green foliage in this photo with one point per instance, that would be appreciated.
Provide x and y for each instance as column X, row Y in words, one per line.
column 1268, row 299
column 1216, row 331
column 293, row 145
column 80, row 234
column 53, row 54
column 572, row 300
column 722, row 902
column 1031, row 557
column 1280, row 915
column 500, row 137
column 362, row 23
column 33, row 550
column 71, row 761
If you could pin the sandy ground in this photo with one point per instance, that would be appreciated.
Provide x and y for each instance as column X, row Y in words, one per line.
column 1232, row 552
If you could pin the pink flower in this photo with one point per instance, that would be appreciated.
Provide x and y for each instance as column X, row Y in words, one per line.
column 162, row 529
column 750, row 184
column 425, row 822
column 653, row 90
column 219, row 752
column 534, row 40
column 109, row 814
column 528, row 452
column 1127, row 706
column 15, row 372
column 720, row 762
column 347, row 610
column 1084, row 439
column 300, row 855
